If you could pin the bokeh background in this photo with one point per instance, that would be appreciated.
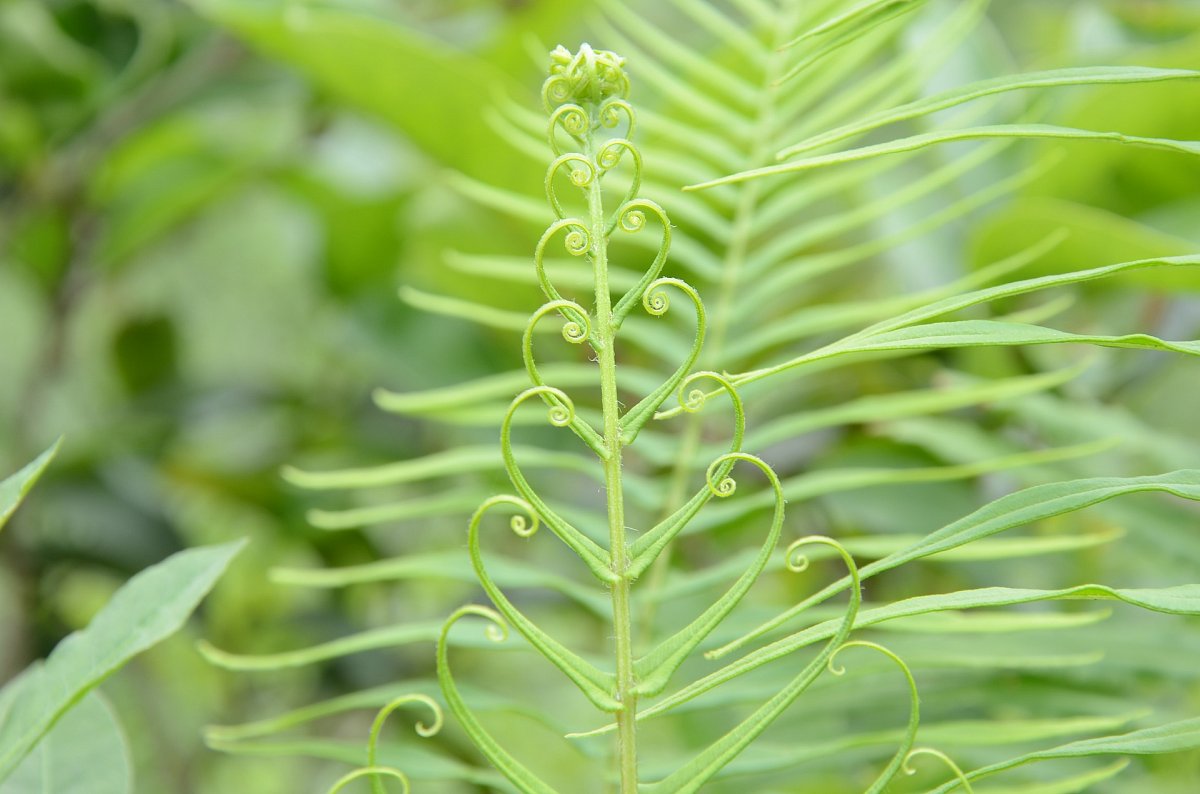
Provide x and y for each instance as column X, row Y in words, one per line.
column 207, row 211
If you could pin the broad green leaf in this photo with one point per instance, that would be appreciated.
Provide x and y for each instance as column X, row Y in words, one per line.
column 357, row 57
column 1086, row 75
column 85, row 753
column 153, row 605
column 925, row 140
column 14, row 487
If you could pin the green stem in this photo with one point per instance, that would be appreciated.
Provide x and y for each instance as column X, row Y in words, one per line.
column 626, row 692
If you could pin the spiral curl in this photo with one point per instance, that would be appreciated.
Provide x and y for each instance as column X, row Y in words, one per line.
column 583, row 173
column 609, row 155
column 373, row 769
column 590, row 76
column 610, row 116
column 524, row 524
column 958, row 773
column 694, row 399
column 631, row 216
column 374, row 772
column 795, row 560
column 573, row 119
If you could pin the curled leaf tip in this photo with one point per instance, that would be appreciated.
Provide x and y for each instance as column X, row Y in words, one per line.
column 587, row 76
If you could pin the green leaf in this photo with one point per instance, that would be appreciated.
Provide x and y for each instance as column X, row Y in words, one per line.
column 153, row 605
column 418, row 762
column 925, row 140
column 1016, row 509
column 14, row 487
column 848, row 28
column 1173, row 737
column 416, row 83
column 968, row 333
column 1066, row 785
column 1086, row 75
column 1181, row 600
column 85, row 753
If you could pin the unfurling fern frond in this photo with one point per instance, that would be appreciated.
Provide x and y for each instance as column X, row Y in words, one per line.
column 803, row 158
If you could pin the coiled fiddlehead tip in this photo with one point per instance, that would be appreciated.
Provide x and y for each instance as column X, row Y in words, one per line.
column 694, row 399
column 724, row 486
column 562, row 408
column 589, row 75
column 497, row 628
column 582, row 174
column 525, row 524
column 611, row 112
column 609, row 155
column 577, row 241
column 373, row 772
column 633, row 220
column 656, row 302
column 423, row 729
column 958, row 773
column 574, row 121
column 796, row 560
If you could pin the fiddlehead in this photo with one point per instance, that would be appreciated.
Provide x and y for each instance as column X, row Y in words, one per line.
column 656, row 667
column 573, row 119
column 587, row 76
column 561, row 414
column 631, row 218
column 582, row 175
column 656, row 303
column 373, row 769
column 959, row 776
column 577, row 329
column 644, row 551
column 711, row 760
column 577, row 241
column 608, row 157
column 900, row 759
column 594, row 684
column 514, row 770
column 610, row 114
column 374, row 772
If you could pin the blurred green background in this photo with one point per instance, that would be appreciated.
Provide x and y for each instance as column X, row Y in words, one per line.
column 207, row 209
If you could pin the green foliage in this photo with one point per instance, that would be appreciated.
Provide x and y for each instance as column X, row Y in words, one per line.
column 947, row 262
column 55, row 732
column 584, row 97
column 85, row 753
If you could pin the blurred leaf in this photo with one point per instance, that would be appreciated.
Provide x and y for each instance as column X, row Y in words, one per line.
column 85, row 753
column 151, row 606
column 430, row 91
column 14, row 487
column 1170, row 738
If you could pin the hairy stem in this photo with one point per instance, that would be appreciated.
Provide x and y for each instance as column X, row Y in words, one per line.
column 606, row 333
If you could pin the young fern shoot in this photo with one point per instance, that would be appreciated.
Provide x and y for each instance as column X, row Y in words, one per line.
column 586, row 99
